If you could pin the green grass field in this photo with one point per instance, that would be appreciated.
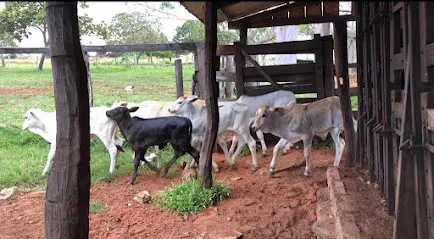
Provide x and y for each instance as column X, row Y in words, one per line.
column 23, row 154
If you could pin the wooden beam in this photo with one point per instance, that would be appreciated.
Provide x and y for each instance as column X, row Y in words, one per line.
column 328, row 67
column 330, row 8
column 211, row 94
column 319, row 73
column 239, row 65
column 314, row 10
column 282, row 69
column 118, row 48
column 291, row 21
column 68, row 188
column 341, row 60
column 258, row 67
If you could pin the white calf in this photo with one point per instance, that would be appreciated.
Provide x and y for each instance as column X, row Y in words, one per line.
column 44, row 124
column 233, row 117
column 297, row 122
column 278, row 98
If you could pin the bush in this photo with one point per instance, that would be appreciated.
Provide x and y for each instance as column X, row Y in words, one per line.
column 188, row 197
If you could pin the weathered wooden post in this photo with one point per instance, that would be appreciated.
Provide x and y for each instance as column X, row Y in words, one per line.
column 341, row 65
column 89, row 80
column 9, row 60
column 210, row 87
column 68, row 189
column 178, row 76
column 229, row 68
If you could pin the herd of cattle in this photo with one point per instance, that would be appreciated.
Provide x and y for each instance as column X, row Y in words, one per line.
column 183, row 124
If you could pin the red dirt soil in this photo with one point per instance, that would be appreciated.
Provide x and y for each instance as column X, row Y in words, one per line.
column 259, row 206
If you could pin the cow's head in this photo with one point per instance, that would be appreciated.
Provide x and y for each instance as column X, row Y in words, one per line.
column 262, row 117
column 181, row 104
column 31, row 120
column 120, row 113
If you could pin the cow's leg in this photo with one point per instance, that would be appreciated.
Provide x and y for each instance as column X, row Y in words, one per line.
column 224, row 147
column 178, row 153
column 307, row 145
column 111, row 147
column 287, row 148
column 282, row 142
column 263, row 145
column 252, row 146
column 197, row 144
column 139, row 155
column 158, row 153
column 240, row 147
column 339, row 145
column 50, row 158
column 233, row 145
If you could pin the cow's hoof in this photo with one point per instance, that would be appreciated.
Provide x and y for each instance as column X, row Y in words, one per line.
column 232, row 167
column 42, row 174
column 216, row 170
column 264, row 155
column 130, row 183
column 306, row 175
column 254, row 169
column 271, row 173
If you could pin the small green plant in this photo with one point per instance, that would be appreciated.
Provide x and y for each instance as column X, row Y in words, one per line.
column 97, row 208
column 188, row 197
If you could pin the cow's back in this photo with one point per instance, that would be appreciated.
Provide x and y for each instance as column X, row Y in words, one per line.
column 325, row 113
column 278, row 98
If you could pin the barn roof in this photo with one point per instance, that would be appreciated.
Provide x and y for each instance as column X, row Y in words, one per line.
column 230, row 10
column 276, row 13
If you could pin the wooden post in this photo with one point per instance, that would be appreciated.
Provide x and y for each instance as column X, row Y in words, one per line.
column 210, row 93
column 240, row 61
column 68, row 188
column 9, row 60
column 329, row 81
column 229, row 68
column 341, row 64
column 178, row 76
column 319, row 76
column 89, row 80
column 200, row 76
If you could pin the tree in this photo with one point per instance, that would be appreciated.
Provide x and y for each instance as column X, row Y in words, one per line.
column 6, row 40
column 19, row 18
column 134, row 28
column 307, row 29
column 194, row 31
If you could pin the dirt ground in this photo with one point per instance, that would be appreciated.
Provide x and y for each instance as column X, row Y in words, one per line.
column 259, row 206
column 366, row 204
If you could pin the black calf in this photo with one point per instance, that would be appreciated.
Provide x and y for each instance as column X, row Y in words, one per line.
column 142, row 133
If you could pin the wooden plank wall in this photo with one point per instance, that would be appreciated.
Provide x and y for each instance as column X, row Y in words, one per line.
column 396, row 108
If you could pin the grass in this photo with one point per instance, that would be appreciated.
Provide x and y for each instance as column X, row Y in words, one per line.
column 23, row 154
column 97, row 208
column 188, row 197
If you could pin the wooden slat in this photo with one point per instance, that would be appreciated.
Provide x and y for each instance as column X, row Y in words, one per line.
column 225, row 50
column 331, row 8
column 351, row 91
column 314, row 10
column 429, row 52
column 239, row 65
column 329, row 81
column 225, row 76
column 297, row 12
column 292, row 21
column 281, row 69
column 299, row 78
column 259, row 68
column 118, row 48
column 397, row 62
column 294, row 47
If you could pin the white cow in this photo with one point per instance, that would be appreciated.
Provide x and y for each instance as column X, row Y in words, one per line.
column 278, row 98
column 233, row 117
column 44, row 124
column 296, row 122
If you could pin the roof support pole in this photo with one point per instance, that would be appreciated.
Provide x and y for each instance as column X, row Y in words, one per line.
column 68, row 189
column 341, row 65
column 210, row 94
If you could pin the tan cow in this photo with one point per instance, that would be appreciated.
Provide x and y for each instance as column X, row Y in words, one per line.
column 296, row 122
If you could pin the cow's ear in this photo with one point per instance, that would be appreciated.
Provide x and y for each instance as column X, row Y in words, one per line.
column 32, row 114
column 124, row 104
column 192, row 98
column 133, row 109
column 276, row 109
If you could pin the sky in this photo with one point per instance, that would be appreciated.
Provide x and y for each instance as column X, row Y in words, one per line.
column 104, row 11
